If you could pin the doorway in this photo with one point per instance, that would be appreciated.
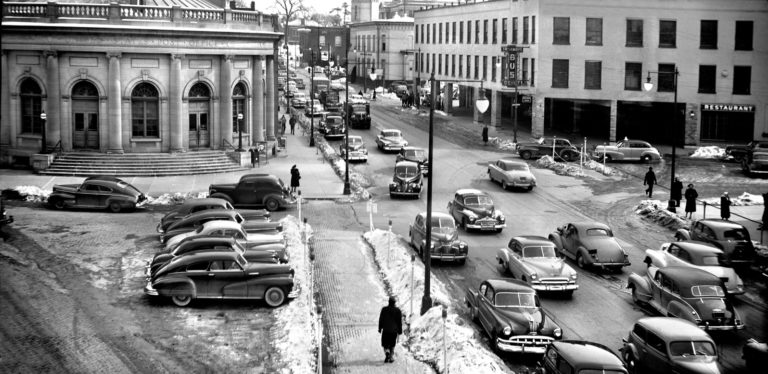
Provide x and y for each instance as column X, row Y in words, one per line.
column 85, row 111
column 199, row 104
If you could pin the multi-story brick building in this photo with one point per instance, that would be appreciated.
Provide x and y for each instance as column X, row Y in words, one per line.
column 583, row 64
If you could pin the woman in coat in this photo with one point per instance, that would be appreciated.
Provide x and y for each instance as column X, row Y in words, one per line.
column 295, row 176
column 725, row 206
column 690, row 201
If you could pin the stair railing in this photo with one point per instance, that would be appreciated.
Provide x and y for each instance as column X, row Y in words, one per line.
column 56, row 149
column 227, row 144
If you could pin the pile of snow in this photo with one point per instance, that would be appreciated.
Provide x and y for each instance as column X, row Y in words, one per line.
column 599, row 167
column 504, row 144
column 174, row 198
column 745, row 198
column 561, row 168
column 357, row 181
column 711, row 152
column 33, row 193
column 656, row 211
column 425, row 338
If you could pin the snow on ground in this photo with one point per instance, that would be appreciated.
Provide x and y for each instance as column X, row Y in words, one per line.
column 357, row 182
column 504, row 144
column 745, row 198
column 425, row 339
column 713, row 152
column 656, row 211
column 573, row 169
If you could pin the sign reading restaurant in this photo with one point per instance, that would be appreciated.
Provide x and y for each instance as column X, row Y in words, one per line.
column 728, row 108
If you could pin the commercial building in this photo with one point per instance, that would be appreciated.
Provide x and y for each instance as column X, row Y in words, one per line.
column 581, row 65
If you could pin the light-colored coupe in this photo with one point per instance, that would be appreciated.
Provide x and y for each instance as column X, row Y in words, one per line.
column 227, row 229
column 510, row 173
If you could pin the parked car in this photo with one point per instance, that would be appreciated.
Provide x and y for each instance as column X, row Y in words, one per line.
column 390, row 140
column 755, row 355
column 417, row 155
column 406, row 181
column 688, row 293
column 314, row 108
column 399, row 88
column 729, row 236
column 669, row 345
column 332, row 126
column 739, row 152
column 356, row 148
column 579, row 357
column 5, row 219
column 564, row 150
column 474, row 210
column 197, row 205
column 590, row 244
column 627, row 150
column 510, row 313
column 299, row 100
column 255, row 190
column 359, row 113
column 444, row 244
column 756, row 160
column 102, row 192
column 189, row 277
column 227, row 229
column 299, row 83
column 192, row 221
column 510, row 173
column 533, row 260
column 696, row 255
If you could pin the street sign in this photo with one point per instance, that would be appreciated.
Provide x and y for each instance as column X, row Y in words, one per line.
column 324, row 56
column 526, row 99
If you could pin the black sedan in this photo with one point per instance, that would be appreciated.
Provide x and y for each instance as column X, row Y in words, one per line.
column 102, row 192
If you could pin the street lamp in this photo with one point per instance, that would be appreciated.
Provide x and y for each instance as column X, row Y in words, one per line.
column 347, row 189
column 649, row 86
column 240, row 132
column 416, row 89
column 44, row 145
column 373, row 77
column 311, row 91
column 482, row 105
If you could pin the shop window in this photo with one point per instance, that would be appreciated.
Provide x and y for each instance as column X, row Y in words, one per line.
column 707, row 78
column 667, row 34
column 742, row 75
column 594, row 31
column 559, row 73
column 634, row 33
column 525, row 70
column 632, row 74
column 145, row 111
column 593, row 75
column 708, row 34
column 562, row 30
column 31, row 107
column 744, row 30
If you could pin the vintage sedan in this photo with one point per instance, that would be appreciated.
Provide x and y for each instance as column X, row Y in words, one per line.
column 474, row 209
column 102, row 192
column 697, row 255
column 356, row 148
column 222, row 275
column 196, row 205
column 510, row 313
column 669, row 345
column 390, row 140
column 533, row 260
column 627, row 150
column 192, row 221
column 314, row 108
column 545, row 146
column 406, row 181
column 299, row 100
column 688, row 293
column 510, row 173
column 417, row 155
column 227, row 229
column 332, row 126
column 729, row 236
column 590, row 244
column 444, row 243
column 580, row 357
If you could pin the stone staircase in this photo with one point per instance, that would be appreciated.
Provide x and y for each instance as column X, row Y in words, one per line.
column 141, row 164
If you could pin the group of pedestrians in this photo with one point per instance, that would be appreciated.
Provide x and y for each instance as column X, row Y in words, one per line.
column 676, row 195
column 407, row 100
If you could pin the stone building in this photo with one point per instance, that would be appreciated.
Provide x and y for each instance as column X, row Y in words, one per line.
column 115, row 77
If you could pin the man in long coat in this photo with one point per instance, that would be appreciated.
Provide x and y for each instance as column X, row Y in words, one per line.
column 390, row 326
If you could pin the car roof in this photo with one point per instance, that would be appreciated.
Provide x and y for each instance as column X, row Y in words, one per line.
column 579, row 352
column 673, row 328
column 208, row 213
column 590, row 225
column 533, row 240
column 697, row 247
column 203, row 240
column 201, row 255
column 507, row 161
column 390, row 130
column 406, row 163
column 412, row 148
column 510, row 285
column 720, row 224
column 436, row 214
column 109, row 178
column 223, row 224
column 469, row 191
column 690, row 276
column 355, row 137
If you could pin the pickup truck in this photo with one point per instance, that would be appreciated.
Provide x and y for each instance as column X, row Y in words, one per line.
column 254, row 190
column 564, row 150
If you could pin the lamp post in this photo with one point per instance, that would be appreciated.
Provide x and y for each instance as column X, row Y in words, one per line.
column 417, row 91
column 482, row 105
column 347, row 189
column 647, row 86
column 312, row 100
column 44, row 141
column 240, row 132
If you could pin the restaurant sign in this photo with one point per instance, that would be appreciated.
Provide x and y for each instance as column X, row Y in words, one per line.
column 743, row 108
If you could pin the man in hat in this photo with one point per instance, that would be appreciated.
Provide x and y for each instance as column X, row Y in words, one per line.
column 390, row 326
column 649, row 180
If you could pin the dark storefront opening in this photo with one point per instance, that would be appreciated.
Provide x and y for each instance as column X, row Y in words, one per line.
column 727, row 126
column 649, row 121
column 591, row 118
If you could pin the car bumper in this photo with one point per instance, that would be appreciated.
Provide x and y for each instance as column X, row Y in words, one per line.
column 392, row 147
column 448, row 256
column 554, row 287
column 338, row 135
column 149, row 290
column 357, row 157
column 535, row 344
column 521, row 184
column 610, row 264
column 721, row 327
column 480, row 226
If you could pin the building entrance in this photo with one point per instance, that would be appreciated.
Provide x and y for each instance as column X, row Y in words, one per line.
column 85, row 116
column 199, row 129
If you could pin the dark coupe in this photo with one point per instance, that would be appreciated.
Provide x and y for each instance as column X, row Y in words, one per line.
column 590, row 244
column 97, row 193
column 417, row 155
column 474, row 209
column 406, row 180
column 729, row 236
column 197, row 205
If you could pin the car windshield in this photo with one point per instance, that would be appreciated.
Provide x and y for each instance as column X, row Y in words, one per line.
column 358, row 108
column 355, row 141
column 516, row 299
column 598, row 232
column 414, row 153
column 692, row 348
column 443, row 225
column 517, row 167
column 409, row 171
column 716, row 260
column 391, row 134
column 333, row 120
column 298, row 95
column 478, row 200
column 736, row 234
column 707, row 291
column 539, row 251
column 622, row 144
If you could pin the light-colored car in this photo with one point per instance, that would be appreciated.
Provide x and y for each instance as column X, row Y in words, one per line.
column 698, row 255
column 390, row 140
column 314, row 108
column 533, row 260
column 299, row 100
column 357, row 151
column 511, row 173
column 445, row 244
column 627, row 150
column 227, row 229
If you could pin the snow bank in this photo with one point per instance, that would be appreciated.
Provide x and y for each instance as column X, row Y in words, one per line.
column 39, row 195
column 425, row 339
column 504, row 144
column 33, row 193
column 711, row 152
column 745, row 198
column 656, row 211
column 357, row 181
column 573, row 169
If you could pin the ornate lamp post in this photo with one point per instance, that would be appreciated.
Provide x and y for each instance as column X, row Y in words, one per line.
column 647, row 86
column 347, row 189
column 240, row 132
column 44, row 141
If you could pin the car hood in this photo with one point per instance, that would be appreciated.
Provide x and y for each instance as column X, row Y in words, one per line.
column 358, row 147
column 481, row 212
column 440, row 237
column 413, row 179
column 607, row 147
column 546, row 266
column 523, row 317
column 390, row 139
column 698, row 364
column 264, row 238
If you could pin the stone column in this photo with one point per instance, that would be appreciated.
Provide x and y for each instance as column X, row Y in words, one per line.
column 53, row 112
column 175, row 95
column 225, row 93
column 613, row 116
column 271, row 110
column 496, row 98
column 448, row 98
column 257, row 134
column 5, row 104
column 115, row 114
column 537, row 114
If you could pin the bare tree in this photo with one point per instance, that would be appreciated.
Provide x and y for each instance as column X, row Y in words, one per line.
column 289, row 10
column 344, row 14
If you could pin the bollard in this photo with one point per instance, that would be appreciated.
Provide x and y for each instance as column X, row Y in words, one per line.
column 445, row 352
column 320, row 339
column 298, row 201
column 389, row 242
column 704, row 209
column 554, row 140
column 413, row 262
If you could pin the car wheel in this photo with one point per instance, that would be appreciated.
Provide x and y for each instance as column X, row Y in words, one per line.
column 635, row 298
column 566, row 156
column 115, row 207
column 679, row 238
column 59, row 204
column 272, row 204
column 629, row 358
column 473, row 314
column 606, row 158
column 504, row 185
column 526, row 155
column 580, row 261
column 646, row 158
column 181, row 300
column 274, row 296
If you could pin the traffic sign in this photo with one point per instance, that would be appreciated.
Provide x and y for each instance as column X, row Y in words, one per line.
column 324, row 56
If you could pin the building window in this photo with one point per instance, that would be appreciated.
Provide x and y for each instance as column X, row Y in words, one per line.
column 434, row 33
column 461, row 32
column 433, row 62
column 707, row 77
column 742, row 76
column 667, row 34
column 145, row 111
column 469, row 32
column 422, row 35
column 238, row 106
column 666, row 78
column 477, row 67
column 446, row 64
column 562, row 30
column 594, row 31
column 31, row 107
column 461, row 65
column 440, row 33
column 634, row 33
column 468, row 63
column 533, row 29
column 524, row 78
column 485, row 31
column 533, row 72
column 428, row 70
column 593, row 75
column 477, row 32
column 504, row 31
column 447, row 32
column 427, row 35
column 494, row 40
column 708, row 34
column 559, row 73
column 525, row 30
column 632, row 73
column 485, row 67
column 514, row 30
column 493, row 69
column 421, row 63
column 440, row 64
column 453, row 33
column 453, row 65
column 744, row 30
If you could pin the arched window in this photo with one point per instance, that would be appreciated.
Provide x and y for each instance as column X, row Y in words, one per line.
column 238, row 106
column 31, row 107
column 199, row 91
column 84, row 90
column 145, row 111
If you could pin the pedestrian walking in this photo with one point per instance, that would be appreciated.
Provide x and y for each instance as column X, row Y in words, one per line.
column 690, row 201
column 485, row 134
column 649, row 180
column 677, row 192
column 282, row 125
column 295, row 176
column 254, row 156
column 390, row 326
column 292, row 122
column 725, row 206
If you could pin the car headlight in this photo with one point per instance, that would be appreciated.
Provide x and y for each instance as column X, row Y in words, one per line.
column 462, row 245
column 574, row 276
column 507, row 330
column 558, row 332
column 534, row 276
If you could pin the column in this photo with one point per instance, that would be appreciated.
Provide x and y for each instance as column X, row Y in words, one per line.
column 614, row 109
column 448, row 98
column 115, row 143
column 53, row 111
column 477, row 117
column 496, row 98
column 257, row 134
column 225, row 92
column 175, row 96
column 5, row 104
column 537, row 112
column 271, row 109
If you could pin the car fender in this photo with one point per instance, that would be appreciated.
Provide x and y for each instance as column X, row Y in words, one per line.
column 223, row 197
column 640, row 284
column 680, row 310
column 503, row 256
column 683, row 233
column 61, row 195
column 656, row 258
column 585, row 254
column 631, row 348
column 122, row 200
column 555, row 238
column 652, row 155
column 173, row 286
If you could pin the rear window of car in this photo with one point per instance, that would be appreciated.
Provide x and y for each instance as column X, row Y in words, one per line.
column 712, row 260
column 707, row 290
column 598, row 232
column 519, row 167
column 692, row 348
column 736, row 234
